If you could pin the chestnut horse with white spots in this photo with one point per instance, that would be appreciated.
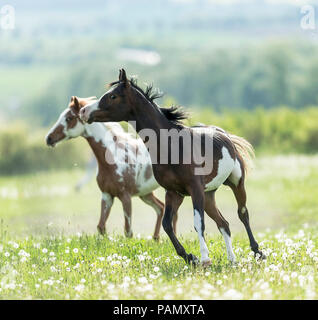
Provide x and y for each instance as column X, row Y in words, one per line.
column 118, row 178
column 125, row 101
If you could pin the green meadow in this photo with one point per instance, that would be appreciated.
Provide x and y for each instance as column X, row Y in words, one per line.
column 50, row 248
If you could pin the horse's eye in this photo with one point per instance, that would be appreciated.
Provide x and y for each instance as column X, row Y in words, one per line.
column 113, row 97
column 68, row 119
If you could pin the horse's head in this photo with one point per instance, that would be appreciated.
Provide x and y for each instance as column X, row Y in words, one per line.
column 69, row 125
column 114, row 106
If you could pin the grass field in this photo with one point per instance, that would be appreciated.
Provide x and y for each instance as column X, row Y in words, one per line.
column 49, row 248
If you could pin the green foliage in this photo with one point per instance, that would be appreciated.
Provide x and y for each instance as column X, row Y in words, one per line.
column 274, row 131
column 49, row 248
column 22, row 151
column 280, row 130
column 267, row 75
column 91, row 267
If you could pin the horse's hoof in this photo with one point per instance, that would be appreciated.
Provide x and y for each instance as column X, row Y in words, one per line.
column 156, row 238
column 206, row 263
column 193, row 260
column 260, row 255
column 129, row 235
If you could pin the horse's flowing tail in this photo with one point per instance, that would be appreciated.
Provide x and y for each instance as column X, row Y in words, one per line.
column 245, row 151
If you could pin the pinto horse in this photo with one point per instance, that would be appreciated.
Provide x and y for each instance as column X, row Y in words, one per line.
column 125, row 101
column 116, row 179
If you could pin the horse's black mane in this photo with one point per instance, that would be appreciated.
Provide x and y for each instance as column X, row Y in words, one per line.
column 175, row 114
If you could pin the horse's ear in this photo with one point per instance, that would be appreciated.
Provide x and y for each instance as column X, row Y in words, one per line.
column 123, row 77
column 75, row 103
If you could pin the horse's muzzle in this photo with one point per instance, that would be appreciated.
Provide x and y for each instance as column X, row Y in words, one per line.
column 84, row 114
column 50, row 141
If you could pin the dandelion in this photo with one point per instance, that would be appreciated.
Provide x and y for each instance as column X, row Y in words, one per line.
column 142, row 280
column 7, row 254
column 49, row 282
column 179, row 291
column 110, row 287
column 233, row 294
column 44, row 250
column 79, row 288
column 83, row 280
column 156, row 269
column 75, row 250
column 53, row 269
column 264, row 286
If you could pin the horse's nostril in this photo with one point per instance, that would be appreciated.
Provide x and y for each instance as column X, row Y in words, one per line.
column 49, row 140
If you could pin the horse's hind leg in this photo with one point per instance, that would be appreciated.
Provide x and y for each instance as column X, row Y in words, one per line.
column 198, row 199
column 174, row 222
column 214, row 213
column 158, row 206
column 238, row 188
column 126, row 202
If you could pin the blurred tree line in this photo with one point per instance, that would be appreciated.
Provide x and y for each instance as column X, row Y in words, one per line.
column 276, row 131
column 248, row 77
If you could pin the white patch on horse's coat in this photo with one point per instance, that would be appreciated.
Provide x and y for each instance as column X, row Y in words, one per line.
column 104, row 134
column 228, row 244
column 236, row 174
column 107, row 198
column 198, row 227
column 243, row 210
column 225, row 167
column 108, row 202
column 128, row 219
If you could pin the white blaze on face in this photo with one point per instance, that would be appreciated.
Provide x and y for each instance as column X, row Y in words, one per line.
column 228, row 244
column 76, row 131
column 198, row 227
column 60, row 122
column 69, row 133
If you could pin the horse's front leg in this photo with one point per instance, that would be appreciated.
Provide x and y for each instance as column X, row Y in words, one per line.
column 106, row 204
column 197, row 196
column 173, row 202
column 126, row 202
